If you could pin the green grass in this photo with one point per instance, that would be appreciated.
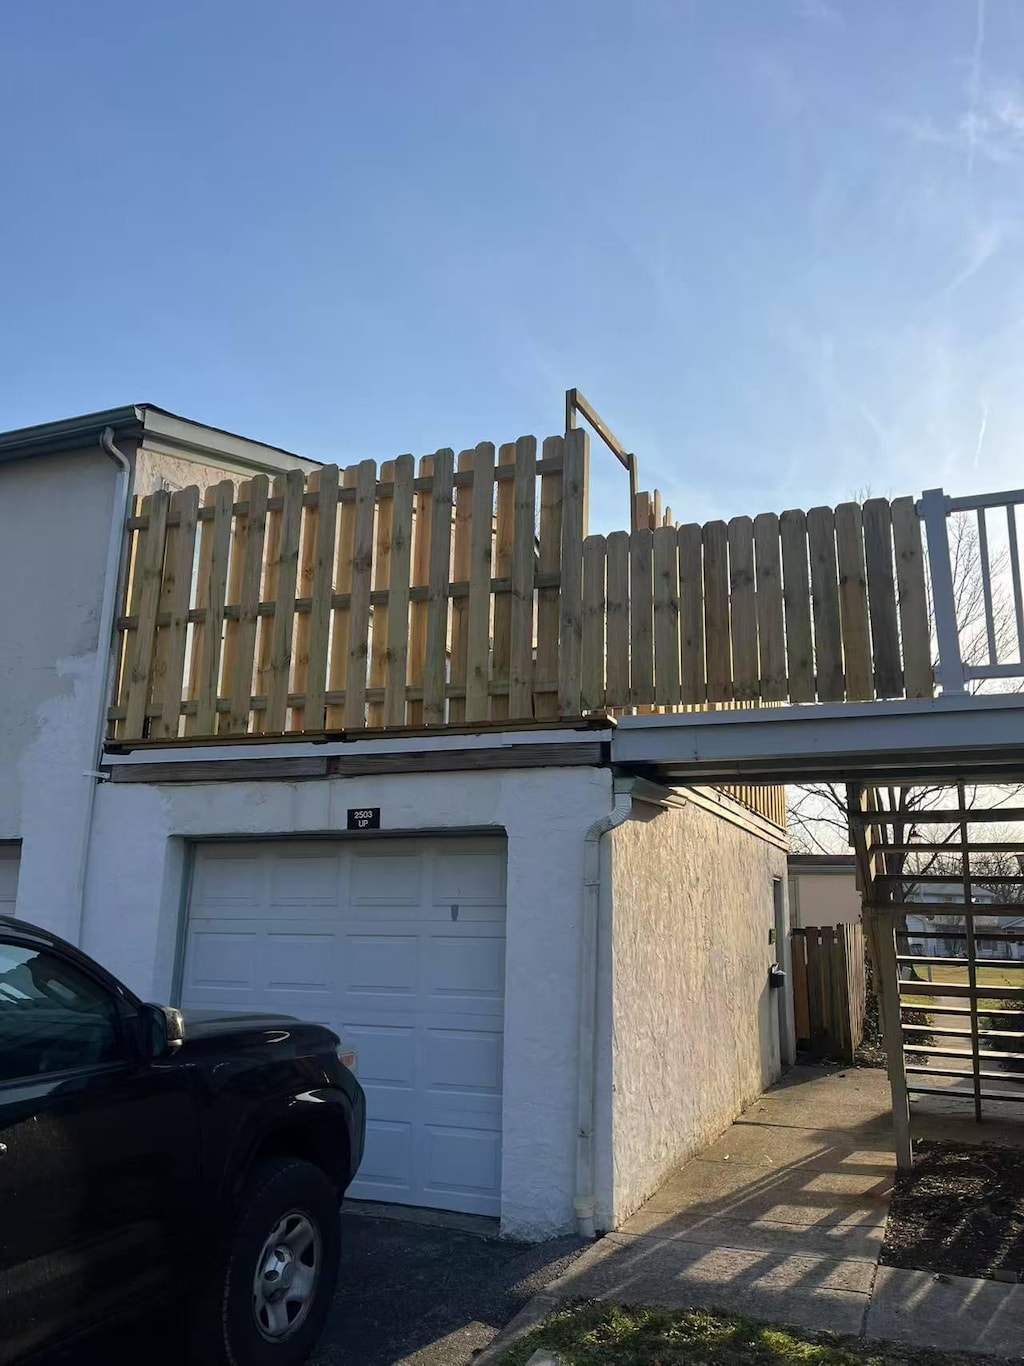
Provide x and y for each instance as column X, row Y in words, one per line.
column 608, row 1335
column 953, row 974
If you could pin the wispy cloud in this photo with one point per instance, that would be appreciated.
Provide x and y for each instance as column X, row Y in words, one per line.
column 970, row 120
column 821, row 12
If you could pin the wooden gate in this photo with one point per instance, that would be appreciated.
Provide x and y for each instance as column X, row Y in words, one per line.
column 829, row 989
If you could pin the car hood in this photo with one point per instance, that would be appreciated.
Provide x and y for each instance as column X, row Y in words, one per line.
column 253, row 1027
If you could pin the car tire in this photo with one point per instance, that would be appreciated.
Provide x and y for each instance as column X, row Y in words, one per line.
column 277, row 1273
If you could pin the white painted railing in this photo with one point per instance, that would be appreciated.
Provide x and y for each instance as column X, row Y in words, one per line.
column 953, row 671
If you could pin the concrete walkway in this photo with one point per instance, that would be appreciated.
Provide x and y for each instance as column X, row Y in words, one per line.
column 783, row 1219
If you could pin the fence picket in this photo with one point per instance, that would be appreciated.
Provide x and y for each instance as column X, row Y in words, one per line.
column 435, row 660
column 503, row 537
column 422, row 528
column 828, row 641
column 179, row 563
column 284, row 613
column 520, row 693
column 462, row 557
column 575, row 458
column 199, row 628
column 381, row 583
column 238, row 661
column 796, row 597
column 770, row 624
column 743, row 611
column 617, row 597
column 885, row 635
column 853, row 602
column 304, row 589
column 209, row 668
column 693, row 684
column 641, row 616
column 666, row 617
column 398, row 593
column 272, row 553
column 479, row 619
column 344, row 551
column 359, row 614
column 716, row 612
column 594, row 612
column 548, row 561
column 913, row 599
column 315, row 717
column 148, row 570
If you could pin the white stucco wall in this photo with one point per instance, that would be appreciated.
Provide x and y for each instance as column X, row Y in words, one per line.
column 54, row 527
column 134, row 905
column 694, row 1025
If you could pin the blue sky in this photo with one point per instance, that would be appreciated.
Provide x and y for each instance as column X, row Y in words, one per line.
column 776, row 242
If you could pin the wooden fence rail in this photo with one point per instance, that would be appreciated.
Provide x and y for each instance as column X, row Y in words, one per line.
column 470, row 593
column 829, row 989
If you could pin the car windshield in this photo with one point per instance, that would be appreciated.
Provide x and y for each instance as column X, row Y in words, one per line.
column 52, row 1016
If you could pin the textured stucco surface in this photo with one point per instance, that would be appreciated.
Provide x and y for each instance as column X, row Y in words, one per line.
column 695, row 1033
column 138, row 866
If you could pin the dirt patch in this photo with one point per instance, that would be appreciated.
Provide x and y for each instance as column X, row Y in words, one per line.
column 960, row 1211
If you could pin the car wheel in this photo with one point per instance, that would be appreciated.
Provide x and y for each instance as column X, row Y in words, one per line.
column 278, row 1273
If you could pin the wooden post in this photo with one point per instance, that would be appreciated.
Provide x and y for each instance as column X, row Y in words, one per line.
column 570, row 631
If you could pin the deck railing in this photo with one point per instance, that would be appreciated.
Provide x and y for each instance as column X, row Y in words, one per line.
column 471, row 594
column 1003, row 633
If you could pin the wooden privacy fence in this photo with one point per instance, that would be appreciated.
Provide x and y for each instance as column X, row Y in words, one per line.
column 471, row 594
column 348, row 599
column 829, row 989
column 824, row 606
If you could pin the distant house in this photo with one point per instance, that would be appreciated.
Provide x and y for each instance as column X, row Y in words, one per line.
column 823, row 891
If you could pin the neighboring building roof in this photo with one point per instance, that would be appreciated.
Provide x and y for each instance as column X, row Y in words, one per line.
column 158, row 430
column 822, row 863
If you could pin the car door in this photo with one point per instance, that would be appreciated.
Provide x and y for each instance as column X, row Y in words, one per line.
column 98, row 1151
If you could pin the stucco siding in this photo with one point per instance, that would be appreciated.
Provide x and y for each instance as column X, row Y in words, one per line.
column 695, row 1032
column 138, row 869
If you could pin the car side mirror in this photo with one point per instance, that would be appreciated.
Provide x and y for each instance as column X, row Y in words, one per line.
column 164, row 1030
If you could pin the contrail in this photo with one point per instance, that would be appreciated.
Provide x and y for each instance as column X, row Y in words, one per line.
column 971, row 121
column 981, row 434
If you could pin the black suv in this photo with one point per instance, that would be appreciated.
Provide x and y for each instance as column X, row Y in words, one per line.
column 148, row 1154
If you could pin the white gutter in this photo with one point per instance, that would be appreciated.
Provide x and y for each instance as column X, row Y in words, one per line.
column 118, row 517
column 584, row 1202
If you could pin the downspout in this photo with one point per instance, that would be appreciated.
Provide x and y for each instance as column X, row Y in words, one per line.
column 118, row 517
column 584, row 1202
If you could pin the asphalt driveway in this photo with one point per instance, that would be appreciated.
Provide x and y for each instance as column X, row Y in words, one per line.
column 412, row 1290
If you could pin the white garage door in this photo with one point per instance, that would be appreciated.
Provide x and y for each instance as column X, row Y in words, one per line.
column 10, row 857
column 398, row 946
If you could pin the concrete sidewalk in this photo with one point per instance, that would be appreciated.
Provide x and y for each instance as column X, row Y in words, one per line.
column 783, row 1220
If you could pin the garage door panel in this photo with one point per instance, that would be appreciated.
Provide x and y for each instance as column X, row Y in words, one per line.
column 389, row 1157
column 463, row 1060
column 379, row 878
column 462, row 1160
column 309, row 879
column 469, row 875
column 303, row 962
column 466, row 966
column 222, row 959
column 387, row 1056
column 399, row 949
column 381, row 963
